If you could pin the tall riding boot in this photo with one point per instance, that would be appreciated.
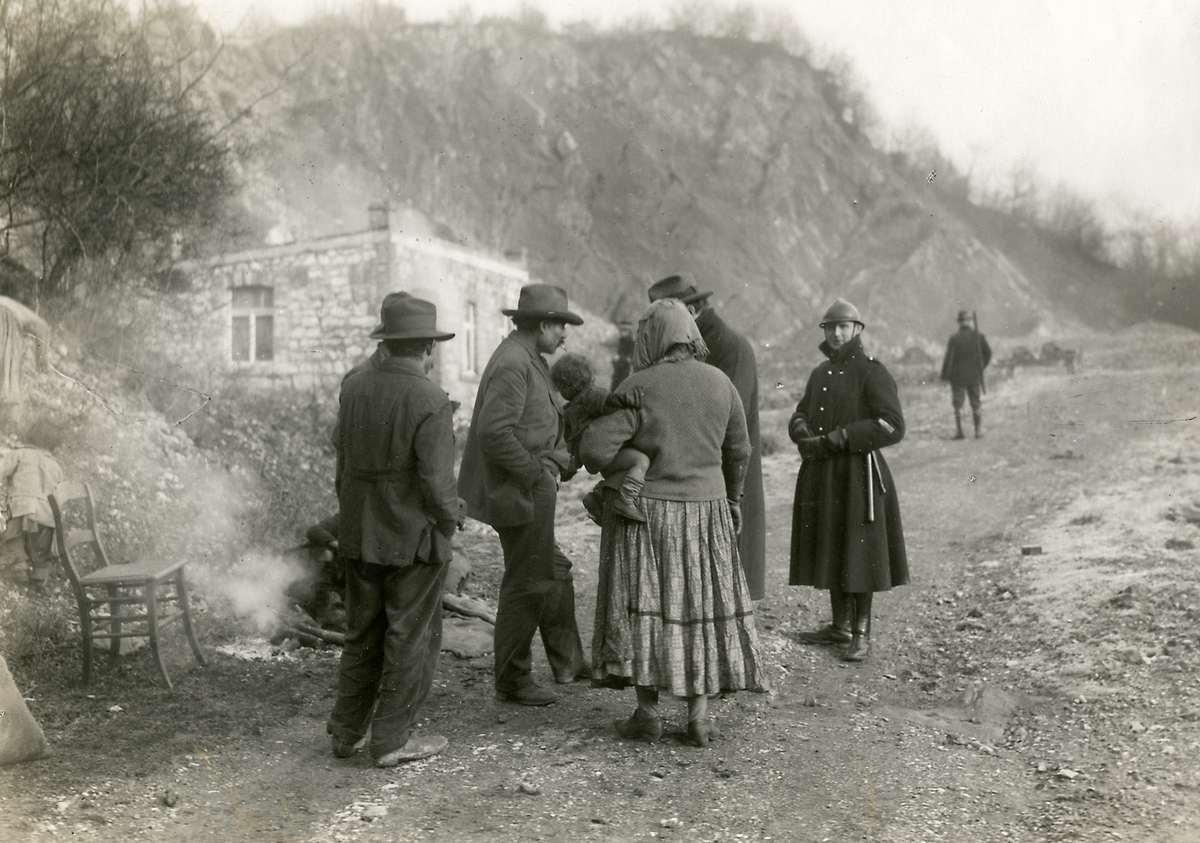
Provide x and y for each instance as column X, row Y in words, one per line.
column 860, row 642
column 836, row 632
column 977, row 417
column 958, row 431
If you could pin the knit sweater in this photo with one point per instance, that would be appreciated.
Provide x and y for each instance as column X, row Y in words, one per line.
column 692, row 426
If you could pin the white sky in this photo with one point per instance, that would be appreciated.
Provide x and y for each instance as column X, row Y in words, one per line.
column 1102, row 95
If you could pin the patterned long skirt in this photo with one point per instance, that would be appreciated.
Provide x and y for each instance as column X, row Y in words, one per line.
column 672, row 607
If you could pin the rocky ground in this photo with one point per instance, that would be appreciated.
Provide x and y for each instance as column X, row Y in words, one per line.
column 1045, row 695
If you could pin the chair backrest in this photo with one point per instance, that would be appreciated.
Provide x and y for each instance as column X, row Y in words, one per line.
column 75, row 527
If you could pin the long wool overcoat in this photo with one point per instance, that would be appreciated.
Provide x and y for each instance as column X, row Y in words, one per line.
column 732, row 353
column 834, row 544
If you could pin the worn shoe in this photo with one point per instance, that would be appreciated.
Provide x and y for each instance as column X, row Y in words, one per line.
column 343, row 749
column 700, row 732
column 826, row 635
column 566, row 677
column 414, row 750
column 528, row 695
column 639, row 727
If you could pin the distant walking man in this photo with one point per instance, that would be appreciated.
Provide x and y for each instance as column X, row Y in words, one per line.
column 967, row 355
column 398, row 511
column 733, row 354
column 511, row 468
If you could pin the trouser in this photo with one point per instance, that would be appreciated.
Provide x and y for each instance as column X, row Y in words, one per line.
column 38, row 544
column 393, row 638
column 330, row 578
column 960, row 394
column 536, row 593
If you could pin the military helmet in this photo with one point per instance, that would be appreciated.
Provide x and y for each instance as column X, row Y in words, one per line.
column 842, row 311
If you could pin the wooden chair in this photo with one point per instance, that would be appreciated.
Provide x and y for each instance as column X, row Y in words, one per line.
column 104, row 592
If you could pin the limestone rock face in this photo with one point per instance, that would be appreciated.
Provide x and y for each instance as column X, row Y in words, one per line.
column 612, row 159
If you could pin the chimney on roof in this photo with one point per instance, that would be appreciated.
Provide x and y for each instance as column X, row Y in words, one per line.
column 377, row 216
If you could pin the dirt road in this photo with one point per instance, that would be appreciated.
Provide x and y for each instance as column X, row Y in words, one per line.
column 1008, row 697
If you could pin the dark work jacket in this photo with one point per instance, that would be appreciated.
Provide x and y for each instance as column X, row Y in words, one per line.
column 395, row 465
column 732, row 353
column 516, row 430
column 833, row 543
column 967, row 355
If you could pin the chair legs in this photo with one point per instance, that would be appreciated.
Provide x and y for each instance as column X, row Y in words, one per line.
column 185, row 607
column 85, row 632
column 120, row 598
column 114, row 645
column 151, row 597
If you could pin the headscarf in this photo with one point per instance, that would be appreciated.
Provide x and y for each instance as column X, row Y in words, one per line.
column 666, row 323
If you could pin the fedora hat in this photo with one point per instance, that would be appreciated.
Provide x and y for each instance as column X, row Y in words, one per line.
column 405, row 317
column 964, row 316
column 677, row 287
column 544, row 301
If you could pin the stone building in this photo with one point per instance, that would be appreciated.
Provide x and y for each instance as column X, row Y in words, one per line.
column 298, row 315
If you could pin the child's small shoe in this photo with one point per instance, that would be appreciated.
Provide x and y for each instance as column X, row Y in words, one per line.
column 628, row 507
column 591, row 503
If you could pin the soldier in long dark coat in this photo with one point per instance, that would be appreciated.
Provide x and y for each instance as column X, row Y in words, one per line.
column 846, row 534
column 967, row 355
column 733, row 354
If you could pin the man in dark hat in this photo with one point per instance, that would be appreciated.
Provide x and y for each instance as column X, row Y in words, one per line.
column 967, row 355
column 733, row 354
column 514, row 459
column 846, row 532
column 397, row 513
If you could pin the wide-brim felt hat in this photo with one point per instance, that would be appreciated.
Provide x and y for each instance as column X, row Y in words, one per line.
column 406, row 317
column 544, row 301
column 964, row 316
column 677, row 287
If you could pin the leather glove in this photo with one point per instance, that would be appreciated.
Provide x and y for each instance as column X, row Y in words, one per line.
column 798, row 429
column 735, row 513
column 820, row 447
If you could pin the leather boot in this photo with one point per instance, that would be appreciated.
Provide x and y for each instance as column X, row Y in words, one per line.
column 836, row 632
column 958, row 431
column 978, row 419
column 860, row 641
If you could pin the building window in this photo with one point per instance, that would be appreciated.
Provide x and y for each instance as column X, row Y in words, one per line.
column 470, row 343
column 253, row 323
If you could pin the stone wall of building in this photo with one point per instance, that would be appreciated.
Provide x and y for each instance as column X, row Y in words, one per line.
column 323, row 301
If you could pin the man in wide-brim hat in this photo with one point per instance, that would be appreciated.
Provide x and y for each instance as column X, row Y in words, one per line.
column 398, row 511
column 733, row 354
column 511, row 468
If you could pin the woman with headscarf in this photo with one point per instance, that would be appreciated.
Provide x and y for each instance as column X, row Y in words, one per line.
column 673, row 612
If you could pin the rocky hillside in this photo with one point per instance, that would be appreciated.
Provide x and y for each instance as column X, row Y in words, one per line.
column 611, row 159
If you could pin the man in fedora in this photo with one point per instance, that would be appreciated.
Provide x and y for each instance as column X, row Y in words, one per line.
column 732, row 353
column 398, row 511
column 514, row 459
column 967, row 355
